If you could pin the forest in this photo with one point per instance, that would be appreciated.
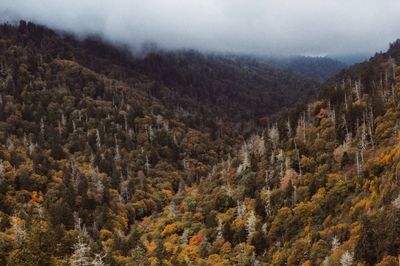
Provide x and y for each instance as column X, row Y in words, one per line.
column 184, row 158
column 317, row 68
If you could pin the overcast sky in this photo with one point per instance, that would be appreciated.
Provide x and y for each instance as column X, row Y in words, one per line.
column 280, row 27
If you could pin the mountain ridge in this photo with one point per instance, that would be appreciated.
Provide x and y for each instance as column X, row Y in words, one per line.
column 316, row 68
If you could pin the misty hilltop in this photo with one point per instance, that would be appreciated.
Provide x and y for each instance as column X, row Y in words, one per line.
column 275, row 28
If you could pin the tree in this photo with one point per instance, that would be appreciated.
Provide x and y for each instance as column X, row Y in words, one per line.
column 347, row 259
column 81, row 254
column 273, row 134
column 37, row 247
column 139, row 257
column 98, row 260
column 251, row 225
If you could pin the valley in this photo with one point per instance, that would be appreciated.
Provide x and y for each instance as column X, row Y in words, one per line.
column 188, row 158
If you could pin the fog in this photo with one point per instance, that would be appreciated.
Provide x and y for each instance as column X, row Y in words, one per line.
column 270, row 27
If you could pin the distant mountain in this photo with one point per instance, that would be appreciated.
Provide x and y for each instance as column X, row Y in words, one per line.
column 220, row 85
column 351, row 59
column 316, row 68
column 226, row 86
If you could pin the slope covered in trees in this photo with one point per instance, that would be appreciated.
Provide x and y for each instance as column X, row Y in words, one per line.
column 107, row 160
column 235, row 88
column 316, row 68
column 319, row 186
column 231, row 87
column 95, row 142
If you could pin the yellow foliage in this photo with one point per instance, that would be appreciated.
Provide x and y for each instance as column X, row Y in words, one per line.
column 355, row 231
column 214, row 260
column 151, row 246
column 153, row 261
column 107, row 244
column 279, row 258
column 169, row 229
column 190, row 252
column 389, row 261
column 307, row 163
column 333, row 179
column 238, row 224
column 319, row 196
column 198, row 216
column 171, row 244
column 306, row 212
column 168, row 193
column 226, row 248
column 105, row 234
column 360, row 206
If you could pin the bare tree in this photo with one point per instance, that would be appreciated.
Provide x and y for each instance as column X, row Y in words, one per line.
column 81, row 254
column 251, row 225
column 347, row 259
column 98, row 260
column 273, row 134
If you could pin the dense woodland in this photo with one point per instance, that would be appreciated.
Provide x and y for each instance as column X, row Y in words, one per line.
column 317, row 68
column 182, row 158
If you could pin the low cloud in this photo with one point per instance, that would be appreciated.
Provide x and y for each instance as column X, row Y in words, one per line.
column 271, row 27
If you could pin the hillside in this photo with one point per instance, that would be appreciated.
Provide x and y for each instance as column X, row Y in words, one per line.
column 318, row 187
column 316, row 68
column 180, row 158
column 96, row 142
column 234, row 88
column 238, row 88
